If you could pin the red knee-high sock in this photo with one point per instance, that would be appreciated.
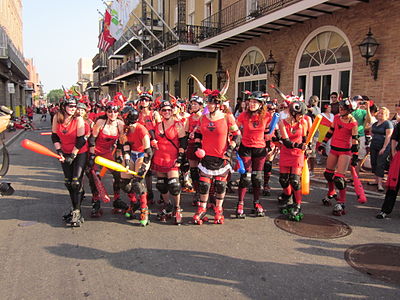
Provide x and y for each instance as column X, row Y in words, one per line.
column 241, row 193
column 256, row 193
column 298, row 196
column 288, row 190
column 331, row 188
column 132, row 197
column 143, row 200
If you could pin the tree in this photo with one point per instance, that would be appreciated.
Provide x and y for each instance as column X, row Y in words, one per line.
column 54, row 95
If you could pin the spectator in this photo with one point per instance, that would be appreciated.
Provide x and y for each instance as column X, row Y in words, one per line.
column 380, row 149
column 238, row 106
column 363, row 116
column 29, row 112
column 313, row 110
column 334, row 103
column 44, row 113
column 326, row 122
column 396, row 116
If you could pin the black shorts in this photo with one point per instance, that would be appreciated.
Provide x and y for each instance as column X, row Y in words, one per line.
column 213, row 163
column 251, row 152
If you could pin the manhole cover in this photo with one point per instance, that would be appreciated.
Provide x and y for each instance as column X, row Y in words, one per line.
column 314, row 226
column 380, row 261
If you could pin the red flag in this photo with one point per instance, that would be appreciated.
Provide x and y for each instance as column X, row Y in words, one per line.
column 105, row 38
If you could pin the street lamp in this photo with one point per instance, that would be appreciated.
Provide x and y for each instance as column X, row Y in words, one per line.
column 9, row 65
column 270, row 64
column 220, row 76
column 368, row 49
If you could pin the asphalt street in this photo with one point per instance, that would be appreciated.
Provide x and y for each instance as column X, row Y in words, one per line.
column 113, row 258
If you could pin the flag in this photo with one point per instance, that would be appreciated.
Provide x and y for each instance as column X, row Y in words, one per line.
column 120, row 14
column 105, row 38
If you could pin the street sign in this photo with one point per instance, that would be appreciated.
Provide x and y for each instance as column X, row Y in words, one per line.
column 11, row 88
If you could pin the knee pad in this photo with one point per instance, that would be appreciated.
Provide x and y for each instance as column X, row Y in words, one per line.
column 295, row 182
column 328, row 174
column 220, row 185
column 75, row 184
column 204, row 185
column 126, row 185
column 245, row 180
column 339, row 181
column 257, row 179
column 138, row 187
column 162, row 185
column 174, row 186
column 268, row 166
column 194, row 173
column 284, row 180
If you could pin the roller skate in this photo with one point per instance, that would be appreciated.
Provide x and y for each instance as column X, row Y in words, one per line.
column 120, row 207
column 338, row 209
column 240, row 210
column 177, row 216
column 130, row 212
column 200, row 216
column 284, row 203
column 144, row 217
column 67, row 216
column 258, row 210
column 165, row 213
column 96, row 212
column 219, row 216
column 267, row 190
column 295, row 213
column 327, row 201
column 76, row 219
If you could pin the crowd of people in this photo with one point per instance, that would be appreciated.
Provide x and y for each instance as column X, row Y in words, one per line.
column 196, row 144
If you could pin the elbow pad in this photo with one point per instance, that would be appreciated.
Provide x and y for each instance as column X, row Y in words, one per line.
column 198, row 135
column 354, row 148
column 148, row 155
column 126, row 148
column 237, row 137
column 80, row 141
column 328, row 135
column 119, row 146
column 92, row 141
column 55, row 138
column 183, row 142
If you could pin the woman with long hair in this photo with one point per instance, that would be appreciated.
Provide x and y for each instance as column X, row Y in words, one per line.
column 252, row 150
column 344, row 150
column 68, row 136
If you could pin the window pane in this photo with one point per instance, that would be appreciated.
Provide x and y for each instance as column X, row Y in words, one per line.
column 345, row 83
column 263, row 86
column 326, row 87
column 254, row 86
column 317, row 86
column 209, row 81
column 302, row 83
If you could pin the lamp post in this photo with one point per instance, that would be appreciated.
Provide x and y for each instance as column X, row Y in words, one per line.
column 368, row 49
column 10, row 91
column 220, row 76
column 270, row 63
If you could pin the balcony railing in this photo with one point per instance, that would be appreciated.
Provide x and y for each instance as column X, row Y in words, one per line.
column 98, row 62
column 239, row 13
column 9, row 51
column 106, row 77
column 126, row 67
column 187, row 34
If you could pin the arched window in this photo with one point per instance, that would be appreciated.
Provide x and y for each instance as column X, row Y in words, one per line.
column 190, row 83
column 251, row 74
column 324, row 64
column 208, row 81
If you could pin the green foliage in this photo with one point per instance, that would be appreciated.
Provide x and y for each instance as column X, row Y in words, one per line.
column 54, row 95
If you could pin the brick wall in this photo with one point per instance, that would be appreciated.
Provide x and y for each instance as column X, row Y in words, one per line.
column 384, row 19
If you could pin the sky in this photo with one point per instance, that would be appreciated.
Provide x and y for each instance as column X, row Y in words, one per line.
column 56, row 34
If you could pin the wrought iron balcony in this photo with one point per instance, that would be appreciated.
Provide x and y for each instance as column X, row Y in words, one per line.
column 125, row 68
column 106, row 77
column 99, row 62
column 239, row 13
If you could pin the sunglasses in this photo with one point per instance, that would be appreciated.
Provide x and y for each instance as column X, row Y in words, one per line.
column 165, row 110
column 71, row 106
column 112, row 111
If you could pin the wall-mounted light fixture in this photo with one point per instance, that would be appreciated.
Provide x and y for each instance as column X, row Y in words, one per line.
column 368, row 49
column 270, row 64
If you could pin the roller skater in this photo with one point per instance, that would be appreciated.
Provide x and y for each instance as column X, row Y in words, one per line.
column 212, row 135
column 294, row 131
column 254, row 122
column 344, row 148
column 68, row 137
column 137, row 156
column 171, row 145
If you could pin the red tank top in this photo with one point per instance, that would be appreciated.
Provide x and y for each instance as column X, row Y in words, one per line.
column 215, row 135
column 193, row 123
column 167, row 153
column 342, row 133
column 105, row 142
column 295, row 133
column 253, row 129
column 147, row 121
column 68, row 136
column 135, row 137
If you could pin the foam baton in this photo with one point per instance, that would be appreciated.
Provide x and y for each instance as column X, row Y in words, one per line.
column 358, row 187
column 241, row 169
column 280, row 93
column 104, row 169
column 305, row 179
column 274, row 122
column 100, row 187
column 38, row 148
column 112, row 165
column 313, row 128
